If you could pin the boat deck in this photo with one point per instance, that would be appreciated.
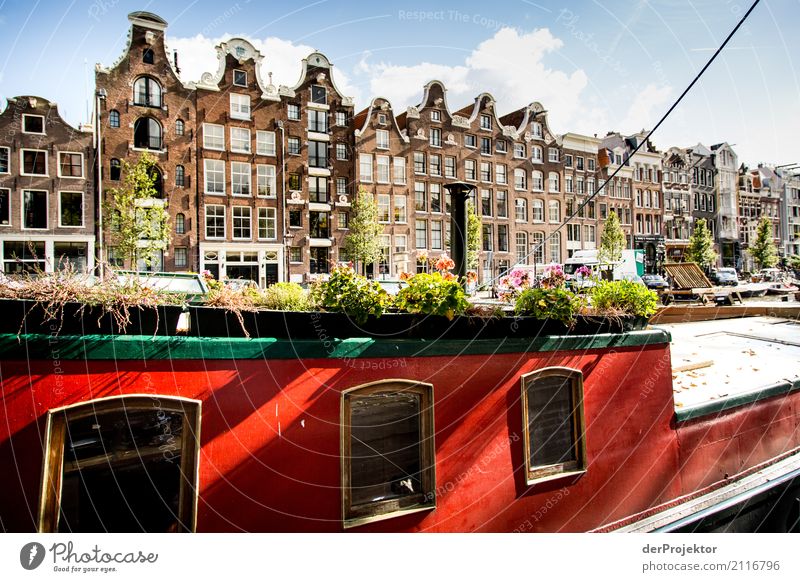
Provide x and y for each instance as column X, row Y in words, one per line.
column 725, row 363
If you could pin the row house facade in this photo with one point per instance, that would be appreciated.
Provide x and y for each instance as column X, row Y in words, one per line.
column 47, row 209
column 703, row 186
column 726, row 163
column 790, row 215
column 759, row 195
column 677, row 203
column 582, row 177
column 617, row 190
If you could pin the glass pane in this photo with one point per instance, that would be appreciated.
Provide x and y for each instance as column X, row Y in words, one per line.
column 385, row 447
column 551, row 423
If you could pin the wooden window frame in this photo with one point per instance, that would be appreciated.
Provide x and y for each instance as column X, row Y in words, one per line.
column 381, row 510
column 55, row 438
column 539, row 474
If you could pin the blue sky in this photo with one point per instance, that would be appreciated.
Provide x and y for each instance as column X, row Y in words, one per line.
column 596, row 66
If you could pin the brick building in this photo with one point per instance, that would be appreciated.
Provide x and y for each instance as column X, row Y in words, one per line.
column 581, row 178
column 47, row 210
column 726, row 163
column 677, row 203
column 648, row 207
column 613, row 155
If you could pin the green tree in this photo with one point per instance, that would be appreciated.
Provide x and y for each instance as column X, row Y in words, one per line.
column 612, row 242
column 138, row 216
column 763, row 248
column 363, row 241
column 701, row 246
column 474, row 236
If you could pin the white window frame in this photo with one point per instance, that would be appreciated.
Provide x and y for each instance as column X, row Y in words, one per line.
column 224, row 222
column 537, row 207
column 10, row 210
column 237, row 106
column 58, row 166
column 265, row 143
column 44, row 124
column 269, row 177
column 83, row 208
column 552, row 155
column 8, row 159
column 398, row 203
column 264, row 216
column 234, row 140
column 249, row 220
column 249, row 175
column 206, row 173
column 384, row 201
column 537, row 185
column 233, row 78
column 382, row 139
column 383, row 164
column 22, row 171
column 208, row 137
column 362, row 164
column 399, row 170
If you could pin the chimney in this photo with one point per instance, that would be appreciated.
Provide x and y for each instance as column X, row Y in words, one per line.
column 175, row 60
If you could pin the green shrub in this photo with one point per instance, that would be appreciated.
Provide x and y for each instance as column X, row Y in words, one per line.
column 623, row 297
column 433, row 294
column 349, row 293
column 285, row 297
column 553, row 303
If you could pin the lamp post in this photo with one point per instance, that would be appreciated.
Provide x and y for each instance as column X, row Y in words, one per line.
column 459, row 194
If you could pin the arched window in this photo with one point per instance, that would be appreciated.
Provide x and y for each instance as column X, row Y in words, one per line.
column 554, row 211
column 537, row 247
column 121, row 464
column 555, row 247
column 553, row 423
column 115, row 170
column 387, row 450
column 538, row 181
column 180, row 176
column 180, row 223
column 536, row 153
column 537, row 211
column 552, row 182
column 179, row 128
column 158, row 182
column 113, row 118
column 147, row 133
column 148, row 56
column 147, row 92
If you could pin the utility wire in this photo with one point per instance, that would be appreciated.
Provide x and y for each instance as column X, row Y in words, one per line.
column 580, row 208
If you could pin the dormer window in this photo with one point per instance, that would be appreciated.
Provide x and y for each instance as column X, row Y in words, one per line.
column 486, row 122
column 436, row 115
column 240, row 78
column 382, row 118
column 319, row 95
column 33, row 124
column 536, row 129
column 148, row 56
column 147, row 92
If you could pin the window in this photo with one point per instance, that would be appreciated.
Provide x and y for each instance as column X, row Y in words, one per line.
column 487, row 237
column 419, row 163
column 34, row 162
column 399, row 209
column 147, row 92
column 400, row 243
column 436, row 197
column 590, row 164
column 147, row 133
column 267, row 224
column 342, row 220
column 317, row 121
column 214, row 176
column 521, row 210
column 213, row 136
column 113, row 118
column 70, row 209
column 486, row 172
column 435, row 162
column 318, row 226
column 293, row 111
column 436, row 137
column 387, row 450
column 486, row 145
column 294, row 182
column 502, row 204
column 241, row 222
column 295, row 218
column 296, row 254
column 34, row 209
column 502, row 146
column 537, row 244
column 436, row 234
column 180, row 223
column 502, row 238
column 240, row 78
column 470, row 141
column 553, row 424
column 181, row 257
column 436, row 115
column 265, row 181
column 486, row 203
column 470, row 169
column 293, row 146
column 341, row 151
column 554, row 211
column 5, row 207
column 538, row 181
column 421, row 234
column 536, row 154
column 519, row 150
column 265, row 143
column 522, row 247
column 569, row 185
column 449, row 167
column 365, row 167
column 341, row 186
column 579, row 163
column 215, row 221
column 179, row 127
column 317, row 154
column 240, row 179
column 420, row 201
column 589, row 233
column 319, row 95
column 318, row 189
column 240, row 106
column 399, row 165
column 383, row 169
column 383, row 207
column 520, row 179
column 341, row 118
column 555, row 247
column 501, row 174
column 552, row 155
column 5, row 158
column 147, row 484
column 148, row 56
column 70, row 165
column 240, row 140
column 536, row 129
column 33, row 124
column 115, row 169
column 580, row 185
column 537, row 211
column 486, row 122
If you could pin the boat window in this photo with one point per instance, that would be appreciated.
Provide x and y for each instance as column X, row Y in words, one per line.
column 552, row 411
column 387, row 450
column 124, row 464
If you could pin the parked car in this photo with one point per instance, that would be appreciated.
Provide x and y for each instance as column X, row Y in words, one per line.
column 655, row 282
column 725, row 276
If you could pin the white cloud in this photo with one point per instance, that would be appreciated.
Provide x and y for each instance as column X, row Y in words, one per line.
column 647, row 106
